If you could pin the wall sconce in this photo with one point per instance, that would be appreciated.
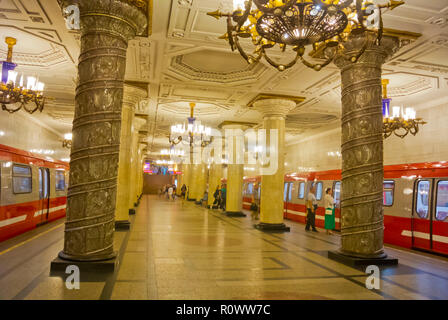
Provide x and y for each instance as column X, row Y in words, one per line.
column 67, row 142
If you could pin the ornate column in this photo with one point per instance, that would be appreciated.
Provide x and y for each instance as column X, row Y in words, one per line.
column 136, row 126
column 200, row 182
column 362, row 149
column 143, row 149
column 106, row 28
column 235, row 172
column 271, row 202
column 214, row 180
column 131, row 98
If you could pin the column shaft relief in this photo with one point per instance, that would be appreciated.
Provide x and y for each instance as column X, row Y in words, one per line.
column 362, row 147
column 271, row 203
column 132, row 96
column 106, row 28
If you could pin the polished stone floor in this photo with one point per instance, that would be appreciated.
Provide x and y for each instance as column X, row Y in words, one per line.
column 177, row 250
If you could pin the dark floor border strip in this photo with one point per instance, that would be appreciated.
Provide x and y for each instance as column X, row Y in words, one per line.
column 14, row 267
column 31, row 286
column 108, row 288
column 385, row 295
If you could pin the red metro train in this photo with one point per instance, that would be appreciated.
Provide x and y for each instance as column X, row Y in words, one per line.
column 415, row 198
column 33, row 191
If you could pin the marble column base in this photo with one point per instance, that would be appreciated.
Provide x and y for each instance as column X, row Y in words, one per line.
column 60, row 264
column 188, row 199
column 353, row 261
column 272, row 228
column 122, row 225
column 238, row 214
column 198, row 202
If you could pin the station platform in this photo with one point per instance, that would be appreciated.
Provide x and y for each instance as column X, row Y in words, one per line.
column 178, row 250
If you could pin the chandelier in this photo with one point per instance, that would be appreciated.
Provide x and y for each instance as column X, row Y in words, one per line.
column 172, row 152
column 400, row 123
column 14, row 94
column 324, row 24
column 191, row 132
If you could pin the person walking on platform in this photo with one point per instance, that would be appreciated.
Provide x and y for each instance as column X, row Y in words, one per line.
column 183, row 191
column 330, row 219
column 223, row 197
column 170, row 192
column 216, row 196
column 174, row 191
column 311, row 206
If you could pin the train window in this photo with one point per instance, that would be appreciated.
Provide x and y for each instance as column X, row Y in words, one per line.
column 337, row 193
column 301, row 194
column 21, row 179
column 388, row 193
column 60, row 180
column 319, row 187
column 422, row 199
column 442, row 201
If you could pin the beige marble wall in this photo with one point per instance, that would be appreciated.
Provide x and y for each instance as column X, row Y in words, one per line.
column 320, row 152
column 19, row 131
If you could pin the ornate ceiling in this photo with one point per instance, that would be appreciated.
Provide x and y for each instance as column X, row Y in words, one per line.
column 183, row 61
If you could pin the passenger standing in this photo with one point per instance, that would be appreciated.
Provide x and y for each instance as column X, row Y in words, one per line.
column 170, row 192
column 223, row 197
column 216, row 196
column 183, row 191
column 311, row 205
column 330, row 221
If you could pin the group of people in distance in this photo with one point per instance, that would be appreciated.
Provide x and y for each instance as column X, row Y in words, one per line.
column 220, row 196
column 169, row 191
column 311, row 204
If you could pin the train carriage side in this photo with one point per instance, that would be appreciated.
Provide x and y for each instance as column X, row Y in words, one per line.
column 28, row 196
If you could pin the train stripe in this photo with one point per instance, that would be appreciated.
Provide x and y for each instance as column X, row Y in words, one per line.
column 8, row 222
column 41, row 212
column 297, row 213
column 424, row 235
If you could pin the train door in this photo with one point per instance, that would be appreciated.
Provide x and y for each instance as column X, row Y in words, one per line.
column 44, row 194
column 430, row 213
column 287, row 191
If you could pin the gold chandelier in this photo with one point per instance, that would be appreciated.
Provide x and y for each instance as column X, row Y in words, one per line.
column 324, row 24
column 399, row 123
column 14, row 95
column 191, row 132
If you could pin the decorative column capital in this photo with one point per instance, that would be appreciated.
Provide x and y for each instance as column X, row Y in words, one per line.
column 375, row 53
column 138, row 123
column 274, row 107
column 132, row 96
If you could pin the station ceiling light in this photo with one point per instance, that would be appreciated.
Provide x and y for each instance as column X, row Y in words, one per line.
column 324, row 24
column 14, row 94
column 402, row 121
column 190, row 132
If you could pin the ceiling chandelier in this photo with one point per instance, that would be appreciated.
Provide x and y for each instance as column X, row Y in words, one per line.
column 324, row 24
column 190, row 132
column 400, row 123
column 14, row 94
column 172, row 152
